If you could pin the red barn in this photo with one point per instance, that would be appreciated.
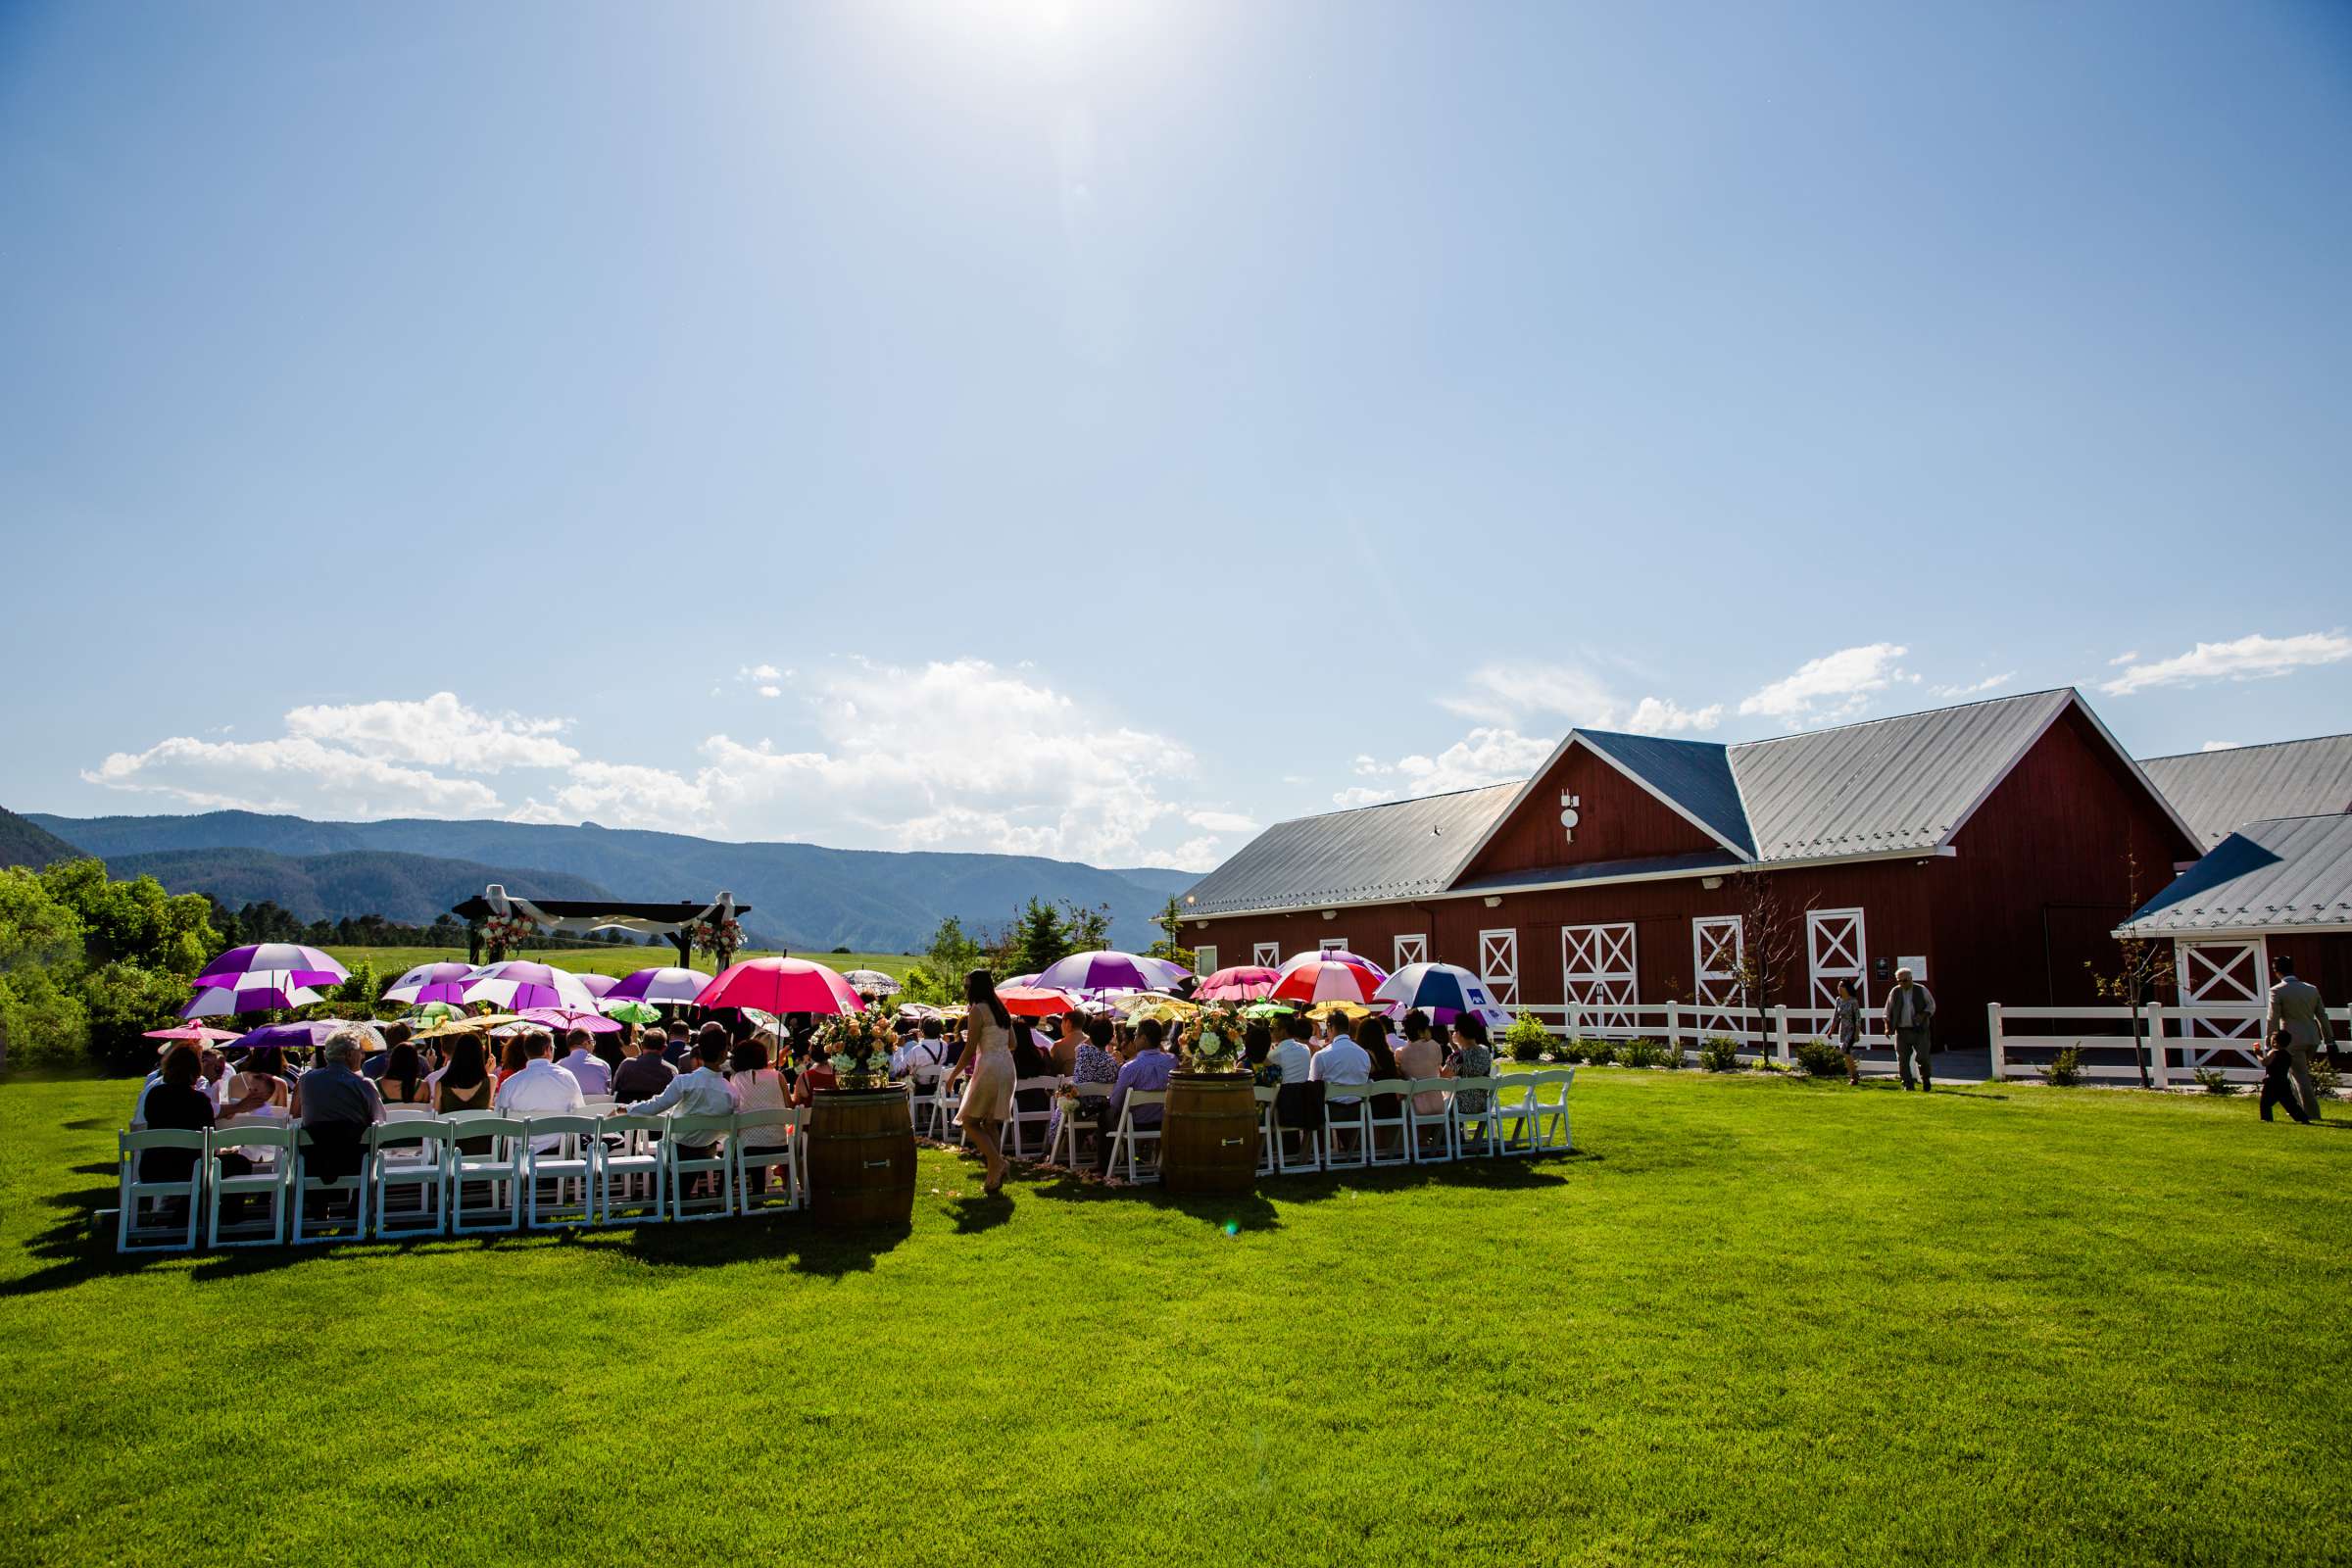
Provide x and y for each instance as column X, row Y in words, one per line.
column 1993, row 846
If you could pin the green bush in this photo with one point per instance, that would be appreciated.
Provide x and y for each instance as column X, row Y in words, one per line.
column 1526, row 1040
column 1818, row 1058
column 1571, row 1050
column 2324, row 1075
column 1600, row 1052
column 1649, row 1053
column 2064, row 1070
column 2213, row 1082
column 41, row 1020
column 1720, row 1054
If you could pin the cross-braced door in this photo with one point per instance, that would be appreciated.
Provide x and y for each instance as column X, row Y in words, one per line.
column 1266, row 955
column 1411, row 950
column 1498, row 965
column 1599, row 978
column 1333, row 945
column 1718, row 947
column 1837, row 948
column 2222, row 974
column 1204, row 959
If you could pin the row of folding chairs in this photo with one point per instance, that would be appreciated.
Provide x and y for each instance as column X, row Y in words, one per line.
column 418, row 1177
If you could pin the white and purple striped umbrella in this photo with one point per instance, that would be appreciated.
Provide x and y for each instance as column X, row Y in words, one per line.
column 431, row 982
column 517, row 983
column 672, row 985
column 303, row 966
column 599, row 985
column 256, row 991
column 1107, row 970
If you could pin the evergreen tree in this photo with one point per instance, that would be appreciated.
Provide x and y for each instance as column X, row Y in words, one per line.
column 1088, row 926
column 1170, row 921
column 1039, row 936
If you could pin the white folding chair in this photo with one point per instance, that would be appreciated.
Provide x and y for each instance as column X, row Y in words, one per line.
column 684, row 1165
column 922, row 1094
column 177, row 1236
column 1269, row 1138
column 1549, row 1112
column 498, row 1168
column 1075, row 1122
column 1349, row 1118
column 1514, row 1113
column 769, row 1142
column 634, row 1158
column 1018, row 1125
column 329, row 1226
column 407, row 1156
column 266, row 1181
column 1481, row 1090
column 945, row 1103
column 409, row 1114
column 1421, row 1123
column 1386, row 1119
column 1129, row 1138
column 567, row 1168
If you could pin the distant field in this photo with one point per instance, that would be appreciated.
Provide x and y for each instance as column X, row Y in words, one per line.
column 604, row 959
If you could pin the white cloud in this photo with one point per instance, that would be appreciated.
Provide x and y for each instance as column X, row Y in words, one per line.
column 1835, row 686
column 1976, row 688
column 1221, row 821
column 438, row 732
column 1501, row 695
column 771, row 691
column 2249, row 658
column 758, row 672
column 296, row 774
column 2123, row 658
column 1357, row 795
column 2221, row 745
column 1485, row 755
column 1193, row 854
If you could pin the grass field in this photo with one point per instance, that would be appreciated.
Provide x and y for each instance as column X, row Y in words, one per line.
column 1752, row 1319
column 596, row 959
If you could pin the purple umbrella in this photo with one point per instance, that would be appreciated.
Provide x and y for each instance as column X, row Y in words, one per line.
column 598, row 985
column 303, row 966
column 1109, row 971
column 658, row 985
column 519, row 983
column 431, row 982
column 257, row 991
column 304, row 1036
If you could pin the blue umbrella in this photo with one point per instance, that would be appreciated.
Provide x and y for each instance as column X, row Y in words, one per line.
column 1444, row 990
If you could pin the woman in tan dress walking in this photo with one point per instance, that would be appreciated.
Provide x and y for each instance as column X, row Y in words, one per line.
column 988, row 1060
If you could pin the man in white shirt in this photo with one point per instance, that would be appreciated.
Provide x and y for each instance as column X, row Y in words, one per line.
column 1343, row 1062
column 703, row 1091
column 594, row 1075
column 1292, row 1056
column 541, row 1088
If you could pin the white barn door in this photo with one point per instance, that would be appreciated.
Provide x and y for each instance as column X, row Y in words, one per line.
column 2226, row 974
column 1266, row 955
column 1498, row 965
column 1411, row 950
column 1718, row 948
column 1837, row 947
column 1597, row 976
column 1204, row 959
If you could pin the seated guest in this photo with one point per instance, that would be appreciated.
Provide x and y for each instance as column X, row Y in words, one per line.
column 816, row 1072
column 613, row 1047
column 1148, row 1069
column 585, row 1065
column 173, row 1100
column 400, row 1080
column 1295, row 1055
column 756, row 1086
column 539, row 1088
column 1420, row 1056
column 337, row 1105
column 1341, row 1063
column 1095, row 1064
column 1472, row 1058
column 1258, row 1053
column 1067, row 1041
column 1372, row 1035
column 646, row 1075
column 1030, row 1059
column 703, row 1092
column 463, row 1084
column 378, row 1062
column 921, row 1056
column 258, row 1087
column 513, row 1055
column 211, row 1069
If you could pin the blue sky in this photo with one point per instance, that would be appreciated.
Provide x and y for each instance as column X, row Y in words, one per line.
column 1100, row 429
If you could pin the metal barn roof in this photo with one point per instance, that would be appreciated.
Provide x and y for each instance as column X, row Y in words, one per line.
column 2289, row 873
column 2220, row 792
column 1401, row 849
column 1695, row 775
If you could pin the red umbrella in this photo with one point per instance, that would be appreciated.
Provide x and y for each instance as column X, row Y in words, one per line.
column 1308, row 978
column 1244, row 983
column 1034, row 1001
column 780, row 986
column 199, row 1032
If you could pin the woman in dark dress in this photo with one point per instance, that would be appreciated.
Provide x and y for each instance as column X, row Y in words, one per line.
column 176, row 1103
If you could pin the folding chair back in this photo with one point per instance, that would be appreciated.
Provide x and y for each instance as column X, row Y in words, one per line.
column 767, row 1141
column 329, row 1227
column 1071, row 1124
column 1270, row 1138
column 496, row 1172
column 559, row 1183
column 633, row 1163
column 1347, row 1126
column 1129, row 1139
column 1547, row 1107
column 1515, row 1112
column 1431, row 1131
column 178, row 1235
column 266, row 1183
column 696, row 1148
column 1480, row 1114
column 1018, row 1126
column 1387, row 1125
column 408, row 1156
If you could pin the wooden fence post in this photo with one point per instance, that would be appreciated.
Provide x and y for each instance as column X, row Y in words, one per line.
column 1992, row 1038
column 2158, row 1070
column 1779, row 1031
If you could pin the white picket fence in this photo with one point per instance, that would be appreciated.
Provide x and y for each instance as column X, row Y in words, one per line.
column 2177, row 1041
column 1685, row 1026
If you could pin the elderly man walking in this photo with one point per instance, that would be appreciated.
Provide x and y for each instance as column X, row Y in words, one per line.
column 1910, row 1012
column 2297, row 1012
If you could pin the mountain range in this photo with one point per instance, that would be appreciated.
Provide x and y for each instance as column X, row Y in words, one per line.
column 803, row 896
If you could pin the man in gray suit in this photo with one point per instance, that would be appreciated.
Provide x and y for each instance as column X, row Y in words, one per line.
column 1910, row 1009
column 2297, row 1012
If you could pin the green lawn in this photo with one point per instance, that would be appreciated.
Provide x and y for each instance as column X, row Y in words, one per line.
column 1753, row 1319
column 599, row 959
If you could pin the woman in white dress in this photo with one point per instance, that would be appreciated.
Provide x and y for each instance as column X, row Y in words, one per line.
column 987, row 1066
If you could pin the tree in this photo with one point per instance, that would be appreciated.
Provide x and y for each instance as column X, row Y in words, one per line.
column 2143, row 971
column 40, row 959
column 1772, row 934
column 1088, row 926
column 1037, row 937
column 951, row 954
column 1170, row 921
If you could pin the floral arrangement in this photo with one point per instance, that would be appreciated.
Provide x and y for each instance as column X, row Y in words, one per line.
column 504, row 931
column 1212, row 1043
column 858, row 1047
column 717, row 937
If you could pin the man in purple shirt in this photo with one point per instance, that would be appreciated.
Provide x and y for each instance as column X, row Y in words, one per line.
column 1150, row 1068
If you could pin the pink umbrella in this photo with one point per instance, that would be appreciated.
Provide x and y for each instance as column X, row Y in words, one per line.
column 670, row 985
column 1243, row 983
column 780, row 986
column 431, row 982
column 199, row 1032
column 565, row 1019
column 1034, row 1001
column 1311, row 977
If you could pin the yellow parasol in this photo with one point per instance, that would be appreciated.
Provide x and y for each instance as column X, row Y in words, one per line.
column 468, row 1026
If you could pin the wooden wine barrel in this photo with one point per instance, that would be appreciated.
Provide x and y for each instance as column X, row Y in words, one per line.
column 1208, row 1139
column 860, row 1157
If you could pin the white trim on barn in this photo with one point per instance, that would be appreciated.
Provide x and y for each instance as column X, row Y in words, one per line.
column 2226, row 974
column 1413, row 948
column 1498, row 964
column 1599, row 979
column 1836, row 948
column 1718, row 952
column 1528, row 788
column 1266, row 955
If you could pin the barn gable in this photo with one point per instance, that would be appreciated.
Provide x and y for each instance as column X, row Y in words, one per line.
column 1606, row 798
